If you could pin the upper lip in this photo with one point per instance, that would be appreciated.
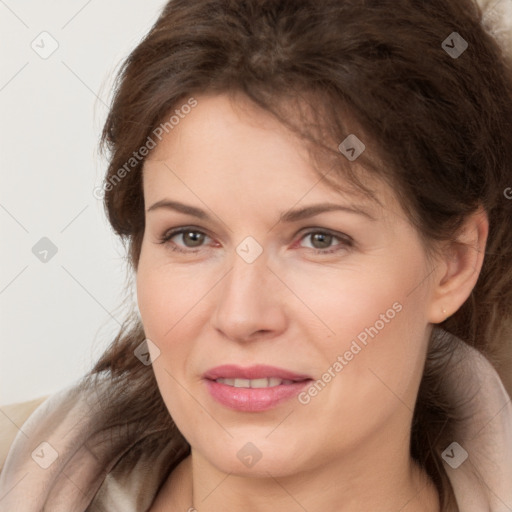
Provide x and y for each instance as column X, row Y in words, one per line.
column 260, row 371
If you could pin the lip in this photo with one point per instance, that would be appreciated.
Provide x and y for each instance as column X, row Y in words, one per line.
column 253, row 399
column 260, row 371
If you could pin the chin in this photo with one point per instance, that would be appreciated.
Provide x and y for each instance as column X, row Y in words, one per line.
column 252, row 458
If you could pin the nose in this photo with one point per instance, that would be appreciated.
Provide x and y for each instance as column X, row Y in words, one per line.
column 250, row 302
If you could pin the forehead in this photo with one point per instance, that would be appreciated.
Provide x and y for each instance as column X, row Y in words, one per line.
column 230, row 144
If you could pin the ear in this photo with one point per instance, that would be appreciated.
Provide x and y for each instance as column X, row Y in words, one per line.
column 458, row 268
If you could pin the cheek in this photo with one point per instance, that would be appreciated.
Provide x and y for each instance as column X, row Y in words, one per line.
column 381, row 291
column 374, row 318
column 166, row 294
column 164, row 317
column 174, row 309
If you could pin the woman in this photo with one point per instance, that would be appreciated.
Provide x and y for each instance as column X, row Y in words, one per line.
column 314, row 196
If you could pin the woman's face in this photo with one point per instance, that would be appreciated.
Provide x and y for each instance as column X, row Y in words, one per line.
column 339, row 297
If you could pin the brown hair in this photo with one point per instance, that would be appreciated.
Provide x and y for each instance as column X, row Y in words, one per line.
column 436, row 127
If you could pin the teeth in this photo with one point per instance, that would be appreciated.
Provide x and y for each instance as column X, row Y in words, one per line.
column 254, row 383
column 262, row 383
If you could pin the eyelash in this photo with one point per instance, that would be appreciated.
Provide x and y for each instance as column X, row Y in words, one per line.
column 347, row 241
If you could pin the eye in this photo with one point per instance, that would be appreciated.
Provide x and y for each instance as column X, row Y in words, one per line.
column 189, row 234
column 193, row 239
column 322, row 239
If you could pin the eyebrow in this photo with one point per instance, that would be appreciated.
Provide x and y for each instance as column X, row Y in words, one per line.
column 286, row 217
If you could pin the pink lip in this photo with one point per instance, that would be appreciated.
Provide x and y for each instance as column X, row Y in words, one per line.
column 260, row 371
column 249, row 399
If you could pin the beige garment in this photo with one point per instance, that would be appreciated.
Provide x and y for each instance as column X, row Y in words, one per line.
column 497, row 20
column 11, row 418
column 85, row 477
column 56, row 465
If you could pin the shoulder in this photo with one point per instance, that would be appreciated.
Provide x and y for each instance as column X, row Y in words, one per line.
column 12, row 417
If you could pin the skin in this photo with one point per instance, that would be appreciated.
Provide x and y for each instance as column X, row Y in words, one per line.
column 347, row 449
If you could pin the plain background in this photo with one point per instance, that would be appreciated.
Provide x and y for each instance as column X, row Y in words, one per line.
column 56, row 317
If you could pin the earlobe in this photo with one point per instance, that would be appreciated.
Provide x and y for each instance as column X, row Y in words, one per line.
column 459, row 268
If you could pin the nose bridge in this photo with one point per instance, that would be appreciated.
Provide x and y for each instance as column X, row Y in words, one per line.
column 245, row 303
column 245, row 284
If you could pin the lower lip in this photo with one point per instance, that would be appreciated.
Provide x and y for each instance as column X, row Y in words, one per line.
column 253, row 399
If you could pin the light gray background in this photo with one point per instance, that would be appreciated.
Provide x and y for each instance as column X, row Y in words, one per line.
column 57, row 317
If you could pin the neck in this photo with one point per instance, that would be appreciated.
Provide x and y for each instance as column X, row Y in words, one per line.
column 342, row 486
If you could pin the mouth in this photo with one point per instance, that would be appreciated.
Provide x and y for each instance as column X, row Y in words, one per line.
column 269, row 382
column 253, row 389
column 260, row 374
